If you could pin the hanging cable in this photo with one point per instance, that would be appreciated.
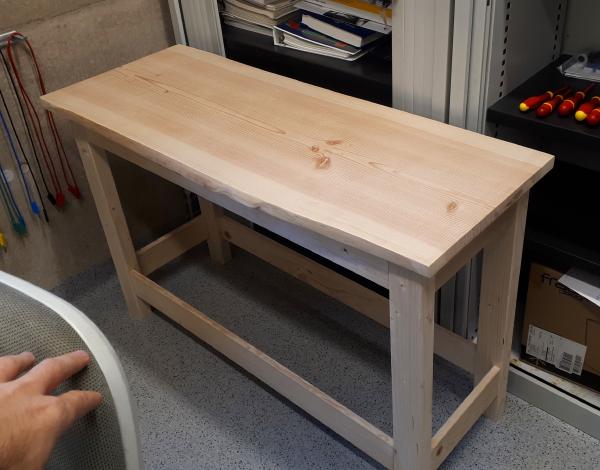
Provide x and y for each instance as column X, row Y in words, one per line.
column 35, row 183
column 15, row 215
column 38, row 131
column 37, row 128
column 60, row 150
column 10, row 198
column 30, row 198
column 10, row 211
column 17, row 98
column 8, row 206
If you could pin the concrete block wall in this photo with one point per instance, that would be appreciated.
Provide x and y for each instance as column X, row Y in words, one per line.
column 73, row 40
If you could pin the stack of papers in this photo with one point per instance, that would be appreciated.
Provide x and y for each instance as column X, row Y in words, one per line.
column 257, row 15
column 296, row 35
column 343, row 29
column 350, row 33
column 363, row 13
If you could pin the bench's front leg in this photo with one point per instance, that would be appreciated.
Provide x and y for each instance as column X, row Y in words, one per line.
column 106, row 197
column 411, row 336
column 499, row 284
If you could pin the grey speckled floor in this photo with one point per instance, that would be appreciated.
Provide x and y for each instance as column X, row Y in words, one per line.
column 199, row 411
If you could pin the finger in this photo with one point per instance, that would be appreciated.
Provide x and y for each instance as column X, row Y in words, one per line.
column 76, row 404
column 12, row 366
column 50, row 373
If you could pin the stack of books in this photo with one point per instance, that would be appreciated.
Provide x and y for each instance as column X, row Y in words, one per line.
column 257, row 15
column 345, row 29
column 375, row 15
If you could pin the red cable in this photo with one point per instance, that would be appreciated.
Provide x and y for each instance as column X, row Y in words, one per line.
column 36, row 124
column 60, row 150
column 37, row 127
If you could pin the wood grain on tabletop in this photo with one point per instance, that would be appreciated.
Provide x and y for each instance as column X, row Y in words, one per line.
column 408, row 189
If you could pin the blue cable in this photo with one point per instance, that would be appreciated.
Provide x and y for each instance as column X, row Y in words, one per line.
column 34, row 207
column 9, row 199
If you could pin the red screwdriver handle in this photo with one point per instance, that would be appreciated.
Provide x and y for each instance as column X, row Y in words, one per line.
column 547, row 107
column 570, row 104
column 534, row 101
column 586, row 108
column 593, row 119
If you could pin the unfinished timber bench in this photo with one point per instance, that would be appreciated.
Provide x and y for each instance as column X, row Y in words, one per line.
column 400, row 200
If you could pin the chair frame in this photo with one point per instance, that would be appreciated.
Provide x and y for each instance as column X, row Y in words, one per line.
column 102, row 352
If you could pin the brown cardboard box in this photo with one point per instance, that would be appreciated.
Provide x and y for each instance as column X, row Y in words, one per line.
column 559, row 310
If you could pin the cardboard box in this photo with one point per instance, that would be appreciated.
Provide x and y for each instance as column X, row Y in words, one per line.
column 557, row 309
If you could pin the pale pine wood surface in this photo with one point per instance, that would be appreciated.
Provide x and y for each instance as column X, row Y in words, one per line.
column 218, row 248
column 404, row 188
column 412, row 328
column 114, row 224
column 499, row 285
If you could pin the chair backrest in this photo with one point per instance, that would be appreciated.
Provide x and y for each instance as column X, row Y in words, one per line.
column 32, row 319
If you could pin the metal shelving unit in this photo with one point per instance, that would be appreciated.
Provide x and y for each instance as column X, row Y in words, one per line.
column 579, row 141
column 523, row 58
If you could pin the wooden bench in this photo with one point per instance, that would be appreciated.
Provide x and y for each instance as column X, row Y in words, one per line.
column 401, row 200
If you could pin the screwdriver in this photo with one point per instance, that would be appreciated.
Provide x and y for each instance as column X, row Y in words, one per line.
column 569, row 105
column 534, row 101
column 587, row 108
column 548, row 106
column 593, row 119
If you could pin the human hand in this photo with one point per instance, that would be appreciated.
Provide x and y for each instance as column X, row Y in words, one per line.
column 31, row 420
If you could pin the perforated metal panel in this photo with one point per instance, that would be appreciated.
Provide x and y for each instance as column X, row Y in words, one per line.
column 94, row 442
column 527, row 37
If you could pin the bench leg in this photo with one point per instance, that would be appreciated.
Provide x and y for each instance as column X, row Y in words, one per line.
column 411, row 336
column 106, row 197
column 218, row 247
column 499, row 283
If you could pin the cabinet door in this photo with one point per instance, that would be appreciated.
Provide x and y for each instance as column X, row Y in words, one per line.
column 196, row 23
column 421, row 54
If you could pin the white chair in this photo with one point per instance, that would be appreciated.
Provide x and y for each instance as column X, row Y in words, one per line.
column 32, row 319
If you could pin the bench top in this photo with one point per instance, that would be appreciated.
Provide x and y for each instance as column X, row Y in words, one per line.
column 407, row 189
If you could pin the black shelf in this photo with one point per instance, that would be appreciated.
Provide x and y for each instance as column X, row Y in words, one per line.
column 562, row 207
column 559, row 253
column 569, row 140
column 561, row 219
column 506, row 110
column 369, row 77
